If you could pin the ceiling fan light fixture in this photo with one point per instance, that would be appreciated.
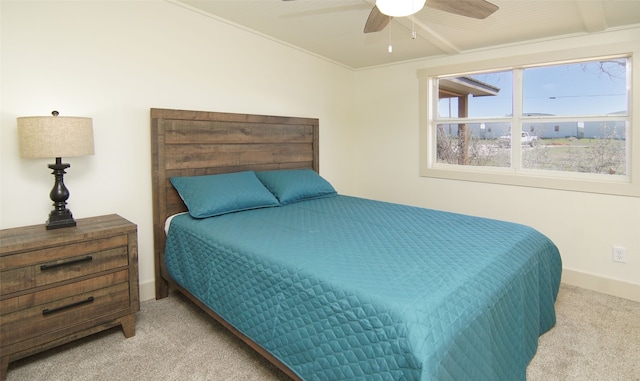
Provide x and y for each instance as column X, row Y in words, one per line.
column 400, row 8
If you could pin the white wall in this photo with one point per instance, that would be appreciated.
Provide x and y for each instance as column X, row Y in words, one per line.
column 583, row 225
column 113, row 61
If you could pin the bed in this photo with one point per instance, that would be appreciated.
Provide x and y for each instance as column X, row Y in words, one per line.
column 328, row 286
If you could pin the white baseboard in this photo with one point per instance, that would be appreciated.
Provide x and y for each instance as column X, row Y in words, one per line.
column 597, row 283
column 147, row 290
column 571, row 277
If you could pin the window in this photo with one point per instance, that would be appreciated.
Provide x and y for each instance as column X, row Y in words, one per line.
column 564, row 124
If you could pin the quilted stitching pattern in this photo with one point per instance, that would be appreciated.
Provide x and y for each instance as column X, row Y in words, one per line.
column 348, row 288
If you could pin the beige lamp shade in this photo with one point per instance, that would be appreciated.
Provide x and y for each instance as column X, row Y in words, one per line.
column 55, row 136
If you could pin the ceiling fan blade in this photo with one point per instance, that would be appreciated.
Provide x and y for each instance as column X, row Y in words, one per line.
column 477, row 9
column 376, row 21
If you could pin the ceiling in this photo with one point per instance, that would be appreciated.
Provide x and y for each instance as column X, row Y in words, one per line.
column 333, row 29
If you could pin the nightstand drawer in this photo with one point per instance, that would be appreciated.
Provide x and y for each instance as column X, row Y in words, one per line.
column 63, row 263
column 55, row 308
column 59, row 285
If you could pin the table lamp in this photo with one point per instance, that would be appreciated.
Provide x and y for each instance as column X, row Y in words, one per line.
column 54, row 137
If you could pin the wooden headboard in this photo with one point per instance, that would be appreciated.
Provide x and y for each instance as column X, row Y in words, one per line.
column 190, row 143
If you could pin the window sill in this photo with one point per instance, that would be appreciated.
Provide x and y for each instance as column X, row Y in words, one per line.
column 602, row 184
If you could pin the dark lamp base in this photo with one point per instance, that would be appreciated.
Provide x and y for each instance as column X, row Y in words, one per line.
column 62, row 219
column 60, row 216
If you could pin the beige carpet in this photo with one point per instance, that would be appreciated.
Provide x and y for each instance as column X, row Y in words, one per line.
column 597, row 337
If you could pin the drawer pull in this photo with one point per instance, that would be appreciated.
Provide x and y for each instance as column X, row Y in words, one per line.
column 88, row 258
column 53, row 310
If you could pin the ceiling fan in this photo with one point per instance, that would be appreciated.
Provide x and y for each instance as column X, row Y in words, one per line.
column 478, row 9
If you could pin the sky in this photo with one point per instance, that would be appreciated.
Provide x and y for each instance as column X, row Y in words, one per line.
column 570, row 89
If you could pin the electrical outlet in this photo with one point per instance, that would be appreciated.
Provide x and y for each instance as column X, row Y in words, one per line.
column 619, row 254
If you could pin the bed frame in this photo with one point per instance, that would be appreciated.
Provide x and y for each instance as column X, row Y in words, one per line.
column 190, row 143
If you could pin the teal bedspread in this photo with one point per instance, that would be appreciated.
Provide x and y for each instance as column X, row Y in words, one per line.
column 349, row 288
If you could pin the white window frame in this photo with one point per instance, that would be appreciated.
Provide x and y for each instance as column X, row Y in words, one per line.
column 625, row 185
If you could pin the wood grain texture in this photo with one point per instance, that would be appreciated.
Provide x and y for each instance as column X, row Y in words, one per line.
column 193, row 143
column 59, row 285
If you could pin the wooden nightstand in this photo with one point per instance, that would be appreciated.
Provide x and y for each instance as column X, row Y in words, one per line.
column 60, row 285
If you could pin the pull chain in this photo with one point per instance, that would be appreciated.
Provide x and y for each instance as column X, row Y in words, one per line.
column 413, row 28
column 389, row 30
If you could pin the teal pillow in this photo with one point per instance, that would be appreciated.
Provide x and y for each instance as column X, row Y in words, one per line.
column 213, row 195
column 292, row 185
